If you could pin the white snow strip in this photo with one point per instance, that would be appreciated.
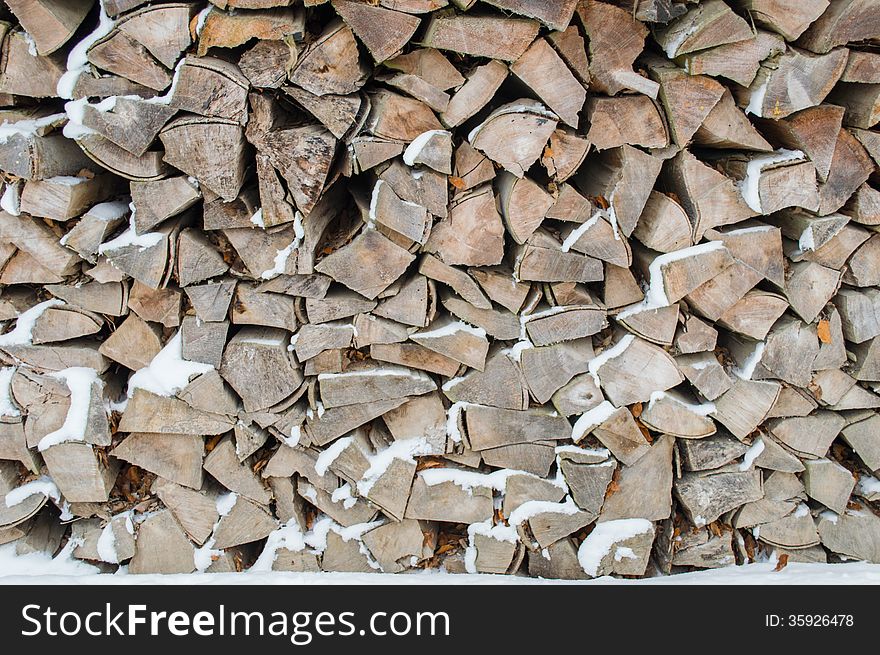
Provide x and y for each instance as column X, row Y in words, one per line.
column 469, row 480
column 672, row 47
column 595, row 452
column 451, row 382
column 450, row 330
column 498, row 532
column 287, row 536
column 750, row 185
column 414, row 149
column 868, row 485
column 607, row 355
column 22, row 334
column 515, row 352
column 28, row 127
column 63, row 569
column 294, row 437
column 756, row 101
column 204, row 556
column 131, row 238
column 168, row 372
column 591, row 419
column 109, row 211
column 801, row 511
column 600, row 542
column 452, row 416
column 257, row 218
column 807, row 241
column 577, row 233
column 330, row 453
column 201, row 19
column 746, row 371
column 405, row 450
column 77, row 60
column 374, row 203
column 79, row 380
column 343, row 495
column 532, row 508
column 703, row 409
column 7, row 406
column 752, row 454
column 385, row 371
column 107, row 545
column 281, row 256
column 11, row 200
column 31, row 44
column 43, row 485
column 535, row 108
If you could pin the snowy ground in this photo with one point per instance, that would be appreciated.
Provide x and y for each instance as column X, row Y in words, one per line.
column 40, row 569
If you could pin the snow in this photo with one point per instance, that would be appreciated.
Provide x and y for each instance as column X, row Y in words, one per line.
column 131, row 238
column 591, row 419
column 595, row 452
column 655, row 296
column 28, row 127
column 802, row 511
column 43, row 485
column 807, row 240
column 22, row 334
column 343, row 495
column 451, row 382
column 414, row 149
column 66, row 180
column 469, row 480
column 532, row 508
column 752, row 454
column 450, row 330
column 168, row 372
column 201, row 19
column 452, row 415
column 294, row 437
column 535, row 108
column 515, row 352
column 607, row 355
column 405, row 450
column 257, row 218
column 107, row 545
column 7, row 406
column 672, row 47
column 374, row 203
column 109, row 211
column 31, row 44
column 703, row 409
column 498, row 532
column 281, row 256
column 576, row 234
column 288, row 536
column 603, row 538
column 11, row 200
column 750, row 185
column 204, row 556
column 756, row 100
column 868, row 485
column 39, row 568
column 385, row 371
column 330, row 453
column 79, row 380
column 746, row 371
column 77, row 60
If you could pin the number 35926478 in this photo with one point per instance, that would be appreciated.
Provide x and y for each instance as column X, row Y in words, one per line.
column 809, row 620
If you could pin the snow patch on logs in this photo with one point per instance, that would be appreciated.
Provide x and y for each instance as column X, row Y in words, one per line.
column 79, row 381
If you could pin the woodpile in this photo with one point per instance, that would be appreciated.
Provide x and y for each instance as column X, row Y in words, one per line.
column 555, row 288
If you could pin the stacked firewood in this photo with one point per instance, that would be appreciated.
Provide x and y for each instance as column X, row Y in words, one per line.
column 548, row 287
